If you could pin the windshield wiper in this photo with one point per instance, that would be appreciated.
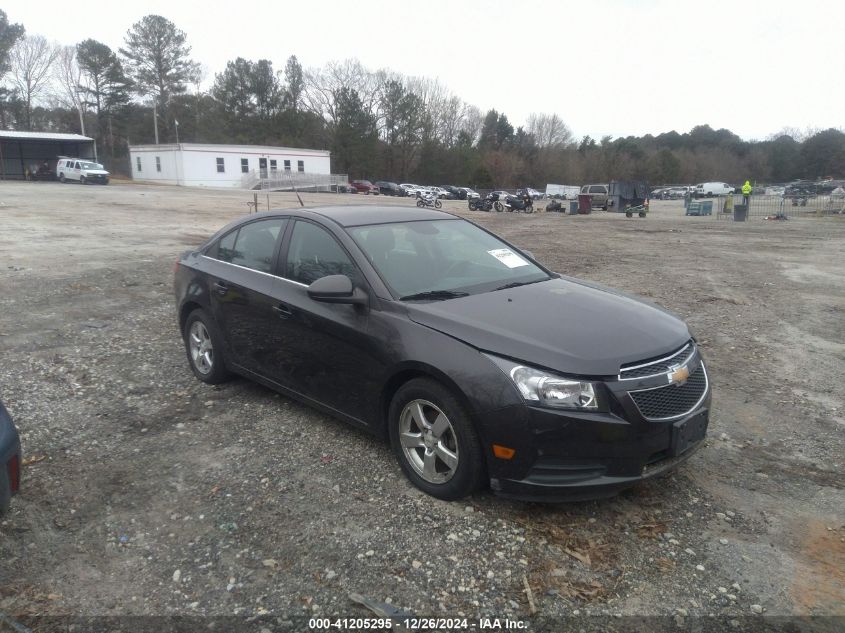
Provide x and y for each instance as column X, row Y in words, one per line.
column 436, row 295
column 515, row 284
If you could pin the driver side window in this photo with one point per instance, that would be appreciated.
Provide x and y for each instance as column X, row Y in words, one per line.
column 313, row 253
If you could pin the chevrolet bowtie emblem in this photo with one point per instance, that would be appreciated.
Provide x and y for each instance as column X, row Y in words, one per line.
column 678, row 375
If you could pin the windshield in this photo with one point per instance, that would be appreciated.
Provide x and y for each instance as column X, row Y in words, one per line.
column 442, row 256
column 91, row 166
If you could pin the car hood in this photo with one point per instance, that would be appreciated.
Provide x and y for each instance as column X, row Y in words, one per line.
column 96, row 172
column 562, row 324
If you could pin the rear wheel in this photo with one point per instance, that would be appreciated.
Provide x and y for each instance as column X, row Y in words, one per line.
column 82, row 180
column 420, row 203
column 642, row 214
column 61, row 177
column 204, row 347
column 437, row 203
column 434, row 441
column 498, row 206
column 628, row 214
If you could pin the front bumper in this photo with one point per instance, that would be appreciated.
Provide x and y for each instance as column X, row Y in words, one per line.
column 10, row 460
column 565, row 455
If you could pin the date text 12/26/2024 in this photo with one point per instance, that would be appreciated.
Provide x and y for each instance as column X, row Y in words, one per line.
column 418, row 624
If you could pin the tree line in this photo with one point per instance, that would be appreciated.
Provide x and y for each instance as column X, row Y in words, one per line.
column 378, row 124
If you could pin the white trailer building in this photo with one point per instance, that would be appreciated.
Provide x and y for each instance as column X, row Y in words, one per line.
column 207, row 165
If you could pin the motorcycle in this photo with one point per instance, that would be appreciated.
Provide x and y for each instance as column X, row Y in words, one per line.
column 520, row 204
column 482, row 204
column 429, row 200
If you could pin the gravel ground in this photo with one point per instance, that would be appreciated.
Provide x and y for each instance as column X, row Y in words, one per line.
column 151, row 493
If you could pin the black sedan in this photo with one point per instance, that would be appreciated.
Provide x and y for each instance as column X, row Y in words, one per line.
column 481, row 366
column 10, row 460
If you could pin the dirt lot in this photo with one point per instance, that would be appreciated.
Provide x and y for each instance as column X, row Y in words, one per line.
column 161, row 495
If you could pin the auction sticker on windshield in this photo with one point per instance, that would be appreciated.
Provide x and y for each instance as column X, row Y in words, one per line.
column 508, row 257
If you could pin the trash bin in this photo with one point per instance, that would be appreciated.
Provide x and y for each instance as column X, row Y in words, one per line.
column 573, row 206
column 740, row 212
column 585, row 203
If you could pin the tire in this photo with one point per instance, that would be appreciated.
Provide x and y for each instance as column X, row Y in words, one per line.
column 628, row 214
column 604, row 208
column 200, row 332
column 642, row 214
column 420, row 203
column 498, row 206
column 437, row 203
column 62, row 178
column 82, row 180
column 421, row 457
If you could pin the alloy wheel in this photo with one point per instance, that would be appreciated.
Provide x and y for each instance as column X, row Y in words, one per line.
column 428, row 441
column 202, row 351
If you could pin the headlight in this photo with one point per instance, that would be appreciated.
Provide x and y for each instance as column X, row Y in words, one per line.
column 547, row 389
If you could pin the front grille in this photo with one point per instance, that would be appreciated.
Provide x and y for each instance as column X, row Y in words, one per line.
column 659, row 366
column 672, row 401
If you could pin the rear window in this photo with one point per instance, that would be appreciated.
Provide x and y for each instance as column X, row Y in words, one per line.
column 597, row 189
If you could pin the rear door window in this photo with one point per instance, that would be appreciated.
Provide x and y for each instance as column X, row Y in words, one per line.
column 226, row 246
column 255, row 244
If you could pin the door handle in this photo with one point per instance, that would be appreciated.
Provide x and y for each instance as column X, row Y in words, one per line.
column 283, row 311
column 221, row 288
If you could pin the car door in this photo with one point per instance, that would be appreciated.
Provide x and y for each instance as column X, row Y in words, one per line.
column 240, row 286
column 322, row 350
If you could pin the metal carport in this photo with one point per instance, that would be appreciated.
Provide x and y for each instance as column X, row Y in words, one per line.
column 22, row 152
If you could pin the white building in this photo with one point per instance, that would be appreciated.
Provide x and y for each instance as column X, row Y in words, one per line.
column 206, row 165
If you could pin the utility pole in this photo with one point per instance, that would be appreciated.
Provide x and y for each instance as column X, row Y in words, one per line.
column 155, row 119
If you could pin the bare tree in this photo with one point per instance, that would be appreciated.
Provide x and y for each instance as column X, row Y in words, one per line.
column 70, row 82
column 548, row 130
column 31, row 59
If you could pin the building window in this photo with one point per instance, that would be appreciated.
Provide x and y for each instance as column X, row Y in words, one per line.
column 245, row 165
column 287, row 165
column 138, row 162
column 300, row 165
column 272, row 164
column 221, row 166
column 158, row 163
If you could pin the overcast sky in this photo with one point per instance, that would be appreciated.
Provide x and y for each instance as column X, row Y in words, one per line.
column 615, row 67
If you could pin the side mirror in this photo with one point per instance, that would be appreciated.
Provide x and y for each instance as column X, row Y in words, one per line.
column 336, row 289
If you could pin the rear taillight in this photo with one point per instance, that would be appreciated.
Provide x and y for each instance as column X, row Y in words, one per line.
column 14, row 468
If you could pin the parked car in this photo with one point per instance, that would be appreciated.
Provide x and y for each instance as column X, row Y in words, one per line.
column 412, row 190
column 81, row 170
column 708, row 189
column 442, row 193
column 501, row 194
column 10, row 460
column 469, row 193
column 535, row 195
column 365, row 187
column 455, row 193
column 479, row 364
column 343, row 189
column 390, row 189
column 598, row 195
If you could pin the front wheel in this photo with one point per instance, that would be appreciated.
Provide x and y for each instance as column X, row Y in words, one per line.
column 498, row 206
column 642, row 214
column 434, row 441
column 82, row 180
column 61, row 178
column 437, row 203
column 420, row 203
column 628, row 214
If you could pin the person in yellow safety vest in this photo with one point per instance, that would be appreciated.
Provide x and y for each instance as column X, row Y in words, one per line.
column 746, row 192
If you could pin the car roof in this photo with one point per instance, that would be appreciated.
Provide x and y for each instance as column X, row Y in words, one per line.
column 353, row 215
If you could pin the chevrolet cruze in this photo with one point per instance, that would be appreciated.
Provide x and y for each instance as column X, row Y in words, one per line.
column 480, row 365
